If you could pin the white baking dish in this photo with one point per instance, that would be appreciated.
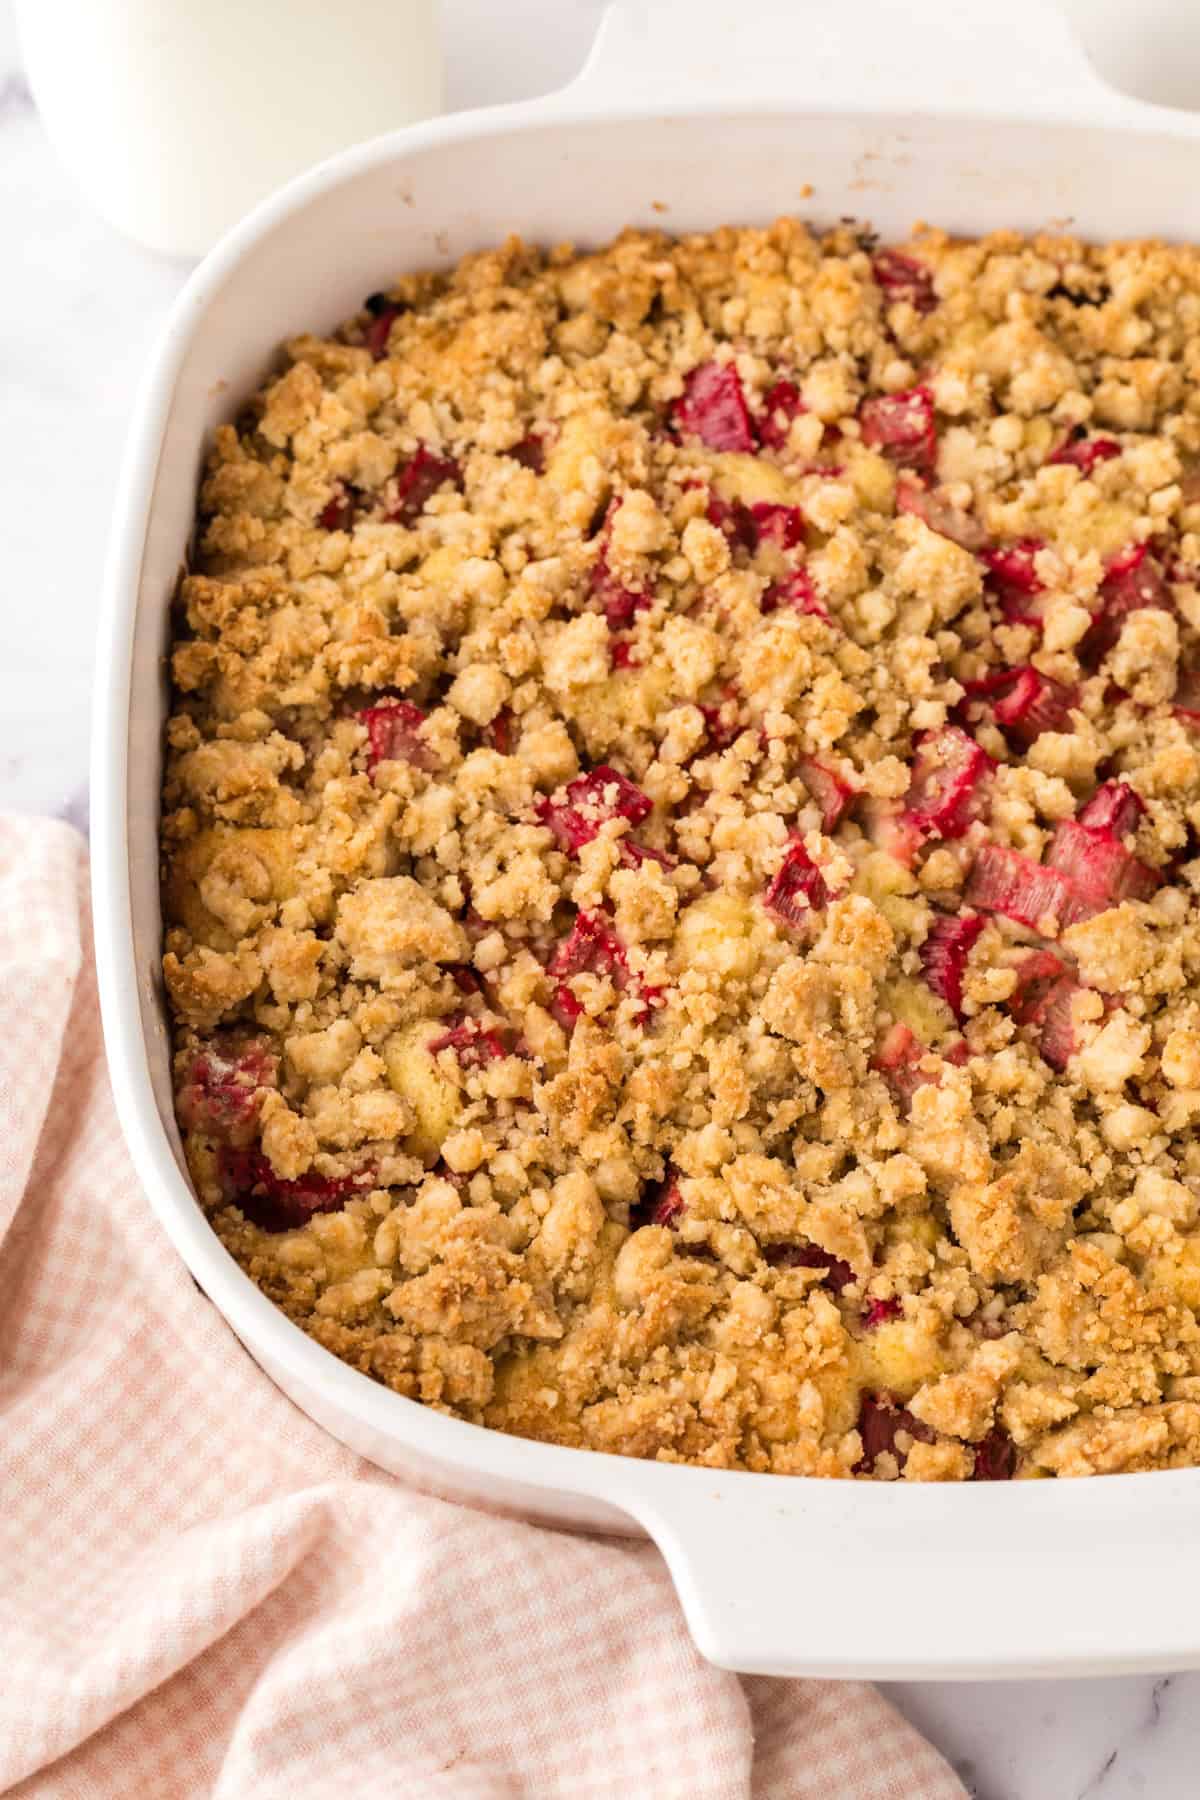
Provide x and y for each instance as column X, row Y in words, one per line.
column 889, row 110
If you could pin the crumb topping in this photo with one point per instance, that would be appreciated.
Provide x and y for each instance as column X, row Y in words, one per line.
column 681, row 918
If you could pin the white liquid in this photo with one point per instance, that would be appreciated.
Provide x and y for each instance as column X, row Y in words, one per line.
column 176, row 118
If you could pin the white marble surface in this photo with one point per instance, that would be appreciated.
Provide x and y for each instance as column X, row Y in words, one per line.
column 78, row 310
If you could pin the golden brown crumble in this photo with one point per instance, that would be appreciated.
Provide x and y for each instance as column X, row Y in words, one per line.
column 677, row 849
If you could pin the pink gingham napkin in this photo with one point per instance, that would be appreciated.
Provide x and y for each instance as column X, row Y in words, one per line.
column 202, row 1595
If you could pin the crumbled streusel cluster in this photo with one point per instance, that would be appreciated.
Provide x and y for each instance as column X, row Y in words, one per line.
column 681, row 841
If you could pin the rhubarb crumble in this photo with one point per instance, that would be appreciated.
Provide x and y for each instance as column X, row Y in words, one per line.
column 681, row 846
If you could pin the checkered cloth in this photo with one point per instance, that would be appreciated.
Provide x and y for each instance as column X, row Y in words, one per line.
column 201, row 1594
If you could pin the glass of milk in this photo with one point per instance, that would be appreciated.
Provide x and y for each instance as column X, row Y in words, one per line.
column 177, row 116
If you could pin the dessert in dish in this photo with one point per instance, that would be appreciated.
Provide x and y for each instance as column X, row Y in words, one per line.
column 679, row 849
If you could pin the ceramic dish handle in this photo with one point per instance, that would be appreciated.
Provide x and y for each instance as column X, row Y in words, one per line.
column 780, row 1575
column 869, row 55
